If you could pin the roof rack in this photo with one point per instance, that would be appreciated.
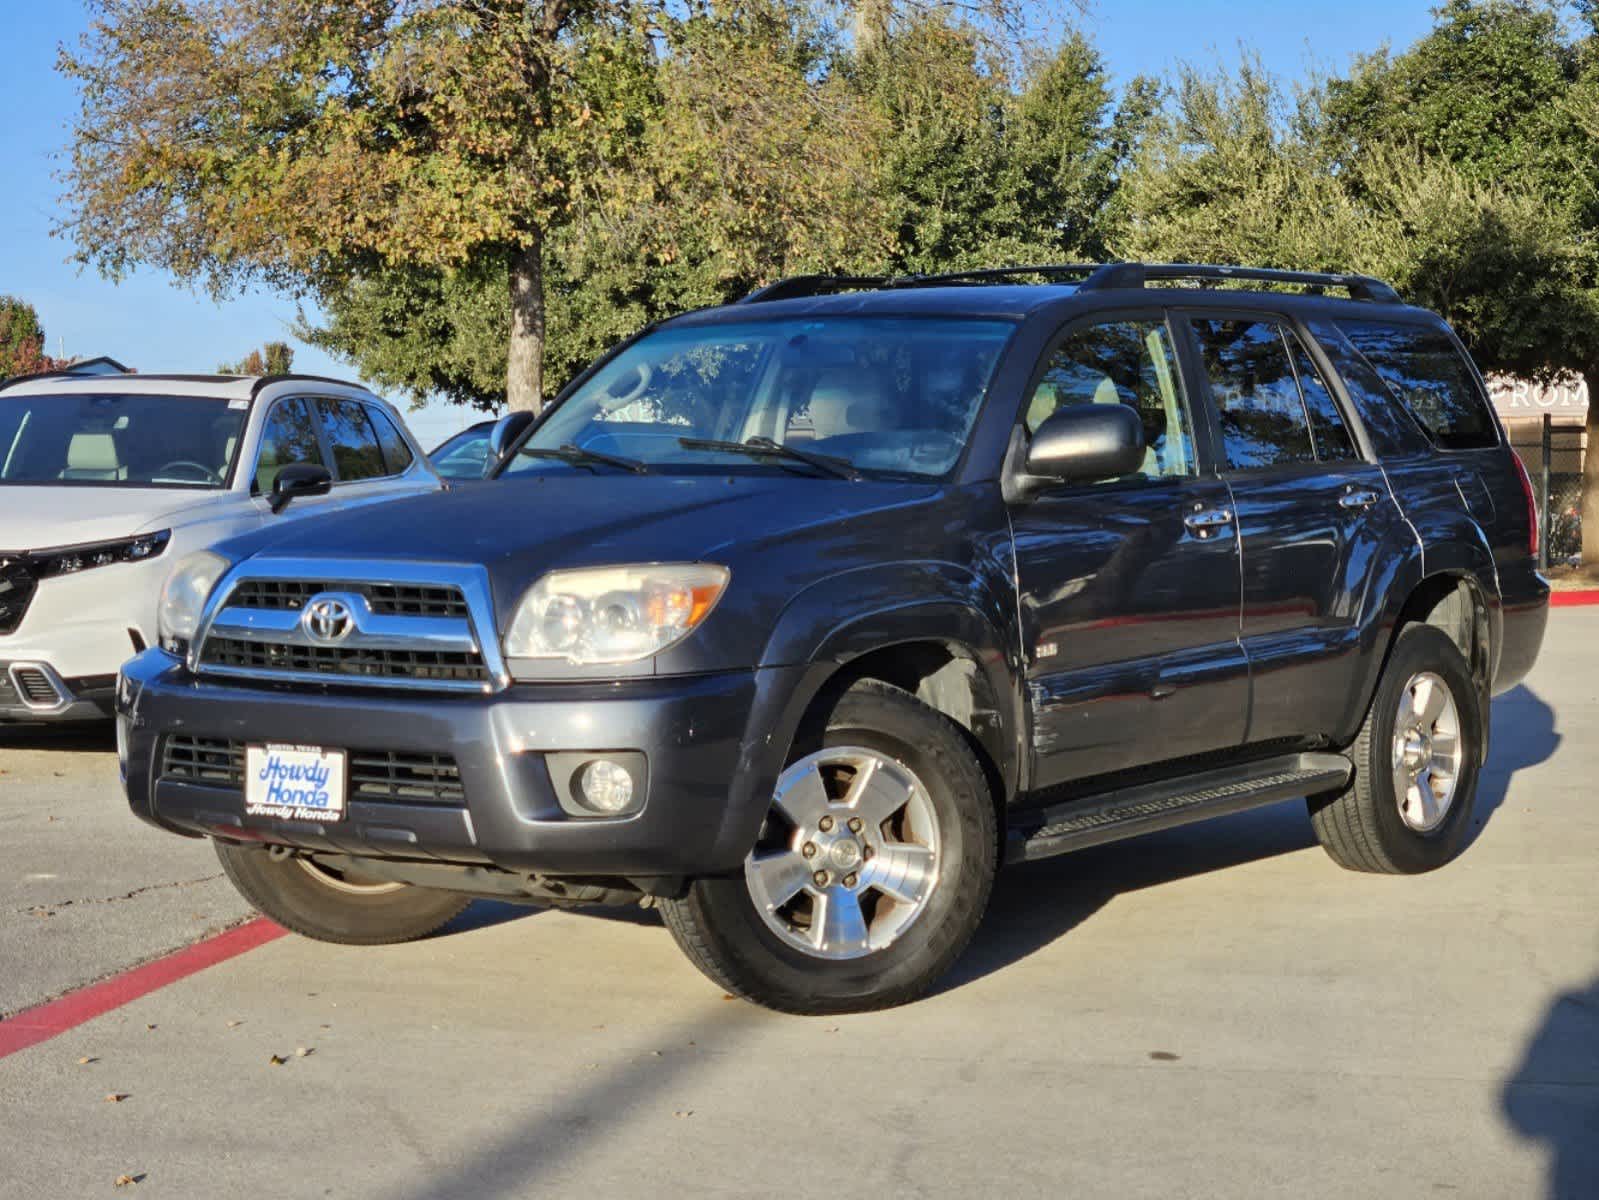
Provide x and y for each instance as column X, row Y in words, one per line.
column 1138, row 275
column 1090, row 277
column 821, row 285
column 814, row 285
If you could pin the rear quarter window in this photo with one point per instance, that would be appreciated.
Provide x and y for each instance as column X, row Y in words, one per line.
column 1424, row 371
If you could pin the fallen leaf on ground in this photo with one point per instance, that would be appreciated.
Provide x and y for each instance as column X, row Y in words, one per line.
column 125, row 1180
column 115, row 1097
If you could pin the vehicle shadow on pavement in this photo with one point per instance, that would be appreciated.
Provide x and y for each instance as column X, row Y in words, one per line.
column 1037, row 904
column 1522, row 736
column 89, row 737
column 485, row 914
column 1553, row 1097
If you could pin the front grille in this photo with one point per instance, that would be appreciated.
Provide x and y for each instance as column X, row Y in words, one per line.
column 17, row 585
column 204, row 760
column 347, row 661
column 385, row 599
column 380, row 776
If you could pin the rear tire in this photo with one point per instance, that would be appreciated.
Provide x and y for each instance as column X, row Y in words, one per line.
column 871, row 873
column 317, row 903
column 1424, row 733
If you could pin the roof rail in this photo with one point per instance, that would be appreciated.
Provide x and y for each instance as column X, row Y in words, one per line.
column 986, row 274
column 820, row 285
column 264, row 381
column 1138, row 275
column 813, row 285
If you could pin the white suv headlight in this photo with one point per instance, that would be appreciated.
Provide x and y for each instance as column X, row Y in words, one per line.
column 613, row 614
column 184, row 596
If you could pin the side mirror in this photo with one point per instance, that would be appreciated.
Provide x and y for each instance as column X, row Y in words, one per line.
column 505, row 432
column 299, row 479
column 1085, row 442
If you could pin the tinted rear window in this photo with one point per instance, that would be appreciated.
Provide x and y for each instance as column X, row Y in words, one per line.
column 1426, row 373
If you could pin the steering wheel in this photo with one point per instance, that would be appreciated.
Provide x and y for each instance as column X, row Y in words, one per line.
column 183, row 465
column 621, row 399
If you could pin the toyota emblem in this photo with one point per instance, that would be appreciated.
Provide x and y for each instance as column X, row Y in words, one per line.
column 327, row 620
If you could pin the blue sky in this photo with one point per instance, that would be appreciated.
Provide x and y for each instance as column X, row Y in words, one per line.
column 152, row 325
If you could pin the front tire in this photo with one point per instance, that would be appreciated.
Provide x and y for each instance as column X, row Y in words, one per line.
column 324, row 904
column 1408, row 809
column 870, row 874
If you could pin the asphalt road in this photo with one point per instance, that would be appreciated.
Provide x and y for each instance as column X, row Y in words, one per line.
column 1213, row 1011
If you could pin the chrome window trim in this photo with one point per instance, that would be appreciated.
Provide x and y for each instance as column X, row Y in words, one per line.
column 476, row 634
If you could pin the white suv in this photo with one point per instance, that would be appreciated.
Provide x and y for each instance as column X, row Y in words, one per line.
column 105, row 482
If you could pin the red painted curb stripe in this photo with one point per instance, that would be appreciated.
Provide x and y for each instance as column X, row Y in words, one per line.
column 42, row 1022
column 1563, row 599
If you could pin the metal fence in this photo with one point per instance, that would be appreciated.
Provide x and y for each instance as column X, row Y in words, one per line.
column 1553, row 454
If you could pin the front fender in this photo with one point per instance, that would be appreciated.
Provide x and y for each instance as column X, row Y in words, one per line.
column 837, row 620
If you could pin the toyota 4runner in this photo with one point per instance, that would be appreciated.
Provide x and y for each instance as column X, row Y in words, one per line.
column 797, row 618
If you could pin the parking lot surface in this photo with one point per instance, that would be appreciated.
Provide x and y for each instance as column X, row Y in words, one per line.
column 1212, row 1011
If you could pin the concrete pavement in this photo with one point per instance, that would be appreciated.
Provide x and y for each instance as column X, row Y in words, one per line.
column 1212, row 1011
column 85, row 889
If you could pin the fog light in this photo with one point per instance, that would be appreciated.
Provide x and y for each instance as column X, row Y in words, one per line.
column 607, row 786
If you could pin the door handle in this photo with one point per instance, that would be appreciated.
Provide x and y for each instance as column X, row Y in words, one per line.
column 1359, row 498
column 1208, row 521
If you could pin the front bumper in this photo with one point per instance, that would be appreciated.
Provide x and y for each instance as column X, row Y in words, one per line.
column 709, row 781
column 33, row 690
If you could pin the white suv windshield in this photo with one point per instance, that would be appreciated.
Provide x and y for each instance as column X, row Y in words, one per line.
column 876, row 395
column 119, row 440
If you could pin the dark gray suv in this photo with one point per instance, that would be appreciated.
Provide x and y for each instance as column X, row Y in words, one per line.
column 797, row 618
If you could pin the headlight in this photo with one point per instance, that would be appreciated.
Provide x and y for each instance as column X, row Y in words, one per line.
column 184, row 596
column 613, row 614
column 69, row 560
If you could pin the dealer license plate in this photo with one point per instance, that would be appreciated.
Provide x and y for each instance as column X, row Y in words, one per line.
column 294, row 783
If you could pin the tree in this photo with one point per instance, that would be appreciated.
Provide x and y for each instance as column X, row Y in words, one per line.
column 1477, row 222
column 768, row 143
column 273, row 358
column 22, row 340
column 1502, row 92
column 309, row 142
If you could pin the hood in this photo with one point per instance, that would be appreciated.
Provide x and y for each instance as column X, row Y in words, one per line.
column 523, row 527
column 41, row 517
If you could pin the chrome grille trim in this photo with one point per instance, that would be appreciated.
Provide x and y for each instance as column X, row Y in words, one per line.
column 464, row 648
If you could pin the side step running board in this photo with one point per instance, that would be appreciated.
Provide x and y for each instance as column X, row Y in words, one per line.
column 1128, row 812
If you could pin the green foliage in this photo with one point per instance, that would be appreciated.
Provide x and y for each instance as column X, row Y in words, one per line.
column 761, row 143
column 273, row 358
column 22, row 340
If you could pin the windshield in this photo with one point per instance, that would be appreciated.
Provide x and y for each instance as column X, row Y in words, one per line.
column 879, row 395
column 123, row 440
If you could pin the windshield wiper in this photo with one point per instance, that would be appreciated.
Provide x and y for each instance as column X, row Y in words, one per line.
column 765, row 447
column 580, row 456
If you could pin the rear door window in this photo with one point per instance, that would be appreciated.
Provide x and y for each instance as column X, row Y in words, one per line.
column 356, row 452
column 1422, row 368
column 1256, row 392
column 1327, row 427
column 397, row 455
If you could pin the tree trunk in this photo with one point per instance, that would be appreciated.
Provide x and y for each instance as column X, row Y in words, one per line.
column 1590, row 475
column 524, row 362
